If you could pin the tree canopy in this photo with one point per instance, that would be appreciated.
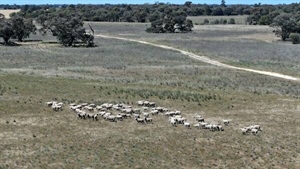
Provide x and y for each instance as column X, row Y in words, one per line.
column 164, row 17
column 6, row 31
column 22, row 27
column 16, row 27
column 285, row 24
column 170, row 23
column 67, row 27
column 143, row 12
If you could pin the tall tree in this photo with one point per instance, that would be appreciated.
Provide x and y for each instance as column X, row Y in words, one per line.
column 223, row 3
column 173, row 22
column 284, row 24
column 68, row 28
column 188, row 4
column 6, row 31
column 22, row 27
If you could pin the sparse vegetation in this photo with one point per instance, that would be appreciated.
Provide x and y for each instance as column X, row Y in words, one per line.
column 295, row 38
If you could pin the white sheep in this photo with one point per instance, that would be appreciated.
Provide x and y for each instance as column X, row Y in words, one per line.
column 177, row 112
column 245, row 130
column 256, row 127
column 180, row 120
column 148, row 120
column 49, row 103
column 203, row 125
column 111, row 118
column 214, row 127
column 186, row 124
column 152, row 104
column 220, row 128
column 95, row 117
column 146, row 103
column 102, row 113
column 81, row 115
column 173, row 122
column 154, row 112
column 140, row 103
column 197, row 117
column 72, row 104
column 119, row 117
column 197, row 125
column 254, row 131
column 200, row 119
column 226, row 122
column 140, row 120
column 208, row 126
column 136, row 115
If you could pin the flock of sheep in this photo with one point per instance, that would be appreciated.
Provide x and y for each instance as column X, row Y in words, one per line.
column 254, row 129
column 142, row 114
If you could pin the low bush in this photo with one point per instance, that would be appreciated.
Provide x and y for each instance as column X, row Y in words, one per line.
column 295, row 38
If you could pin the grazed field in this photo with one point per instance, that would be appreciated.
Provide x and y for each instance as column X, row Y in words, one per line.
column 34, row 136
column 241, row 45
column 6, row 12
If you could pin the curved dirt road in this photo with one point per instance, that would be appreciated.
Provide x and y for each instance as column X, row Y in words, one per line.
column 206, row 59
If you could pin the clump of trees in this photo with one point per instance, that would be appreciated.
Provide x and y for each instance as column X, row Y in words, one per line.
column 285, row 24
column 173, row 22
column 15, row 28
column 68, row 27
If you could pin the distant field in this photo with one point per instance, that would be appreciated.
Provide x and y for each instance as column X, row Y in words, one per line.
column 32, row 135
column 239, row 19
column 243, row 45
column 6, row 12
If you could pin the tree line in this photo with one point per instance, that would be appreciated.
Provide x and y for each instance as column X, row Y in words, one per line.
column 164, row 17
column 67, row 28
column 144, row 12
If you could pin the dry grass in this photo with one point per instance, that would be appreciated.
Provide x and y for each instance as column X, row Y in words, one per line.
column 7, row 12
column 119, row 71
column 42, row 138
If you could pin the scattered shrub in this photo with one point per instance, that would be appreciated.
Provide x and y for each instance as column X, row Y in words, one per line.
column 231, row 21
column 216, row 21
column 206, row 21
column 223, row 21
column 295, row 38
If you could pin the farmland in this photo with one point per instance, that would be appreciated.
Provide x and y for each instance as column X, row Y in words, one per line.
column 34, row 136
column 6, row 12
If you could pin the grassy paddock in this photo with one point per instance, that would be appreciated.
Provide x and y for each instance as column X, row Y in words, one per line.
column 42, row 138
column 242, row 45
column 33, row 136
column 7, row 12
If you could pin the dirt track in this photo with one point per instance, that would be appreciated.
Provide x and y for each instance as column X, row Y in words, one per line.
column 206, row 59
